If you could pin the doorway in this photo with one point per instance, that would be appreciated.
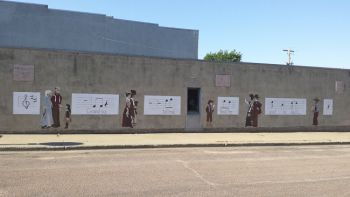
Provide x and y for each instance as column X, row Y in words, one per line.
column 193, row 120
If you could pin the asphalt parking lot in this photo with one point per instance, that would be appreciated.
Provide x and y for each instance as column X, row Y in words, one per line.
column 228, row 171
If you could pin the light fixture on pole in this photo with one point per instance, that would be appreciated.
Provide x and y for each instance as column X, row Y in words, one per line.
column 289, row 52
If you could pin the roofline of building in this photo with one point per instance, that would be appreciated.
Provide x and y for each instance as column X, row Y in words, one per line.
column 97, row 14
column 168, row 58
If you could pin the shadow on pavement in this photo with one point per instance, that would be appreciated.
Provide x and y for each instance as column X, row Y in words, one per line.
column 58, row 144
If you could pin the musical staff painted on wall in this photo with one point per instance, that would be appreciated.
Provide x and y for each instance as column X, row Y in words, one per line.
column 26, row 102
column 228, row 106
column 285, row 106
column 95, row 104
column 162, row 105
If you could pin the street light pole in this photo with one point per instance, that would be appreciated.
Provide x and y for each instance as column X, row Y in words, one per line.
column 289, row 52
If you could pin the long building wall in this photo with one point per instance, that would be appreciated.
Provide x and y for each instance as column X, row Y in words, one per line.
column 112, row 74
column 37, row 26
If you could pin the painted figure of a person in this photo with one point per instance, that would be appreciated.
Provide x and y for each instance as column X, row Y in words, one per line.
column 126, row 122
column 315, row 110
column 68, row 118
column 256, row 110
column 56, row 100
column 133, row 107
column 46, row 118
column 210, row 110
column 248, row 119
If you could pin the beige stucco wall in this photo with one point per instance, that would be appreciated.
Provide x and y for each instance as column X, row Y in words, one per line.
column 109, row 74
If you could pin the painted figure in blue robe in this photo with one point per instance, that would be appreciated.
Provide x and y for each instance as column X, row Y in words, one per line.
column 46, row 118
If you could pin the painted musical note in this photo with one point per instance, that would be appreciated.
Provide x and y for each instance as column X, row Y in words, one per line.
column 98, row 102
column 25, row 102
column 95, row 104
column 228, row 106
column 33, row 98
column 162, row 105
column 285, row 106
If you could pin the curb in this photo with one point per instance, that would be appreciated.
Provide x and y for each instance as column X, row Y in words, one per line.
column 67, row 148
column 182, row 130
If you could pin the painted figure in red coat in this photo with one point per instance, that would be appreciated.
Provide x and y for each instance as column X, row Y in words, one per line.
column 56, row 101
column 248, row 119
column 133, row 107
column 130, row 110
column 256, row 110
column 316, row 111
column 126, row 122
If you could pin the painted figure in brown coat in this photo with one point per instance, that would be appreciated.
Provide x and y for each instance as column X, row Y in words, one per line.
column 210, row 109
column 316, row 111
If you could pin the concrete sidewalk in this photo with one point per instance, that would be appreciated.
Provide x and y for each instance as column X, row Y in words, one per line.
column 162, row 140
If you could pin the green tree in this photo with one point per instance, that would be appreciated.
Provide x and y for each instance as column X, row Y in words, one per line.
column 224, row 56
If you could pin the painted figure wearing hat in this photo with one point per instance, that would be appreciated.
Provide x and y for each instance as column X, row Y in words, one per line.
column 126, row 122
column 315, row 110
column 133, row 107
column 210, row 109
column 68, row 115
column 248, row 119
column 56, row 100
column 130, row 110
column 256, row 110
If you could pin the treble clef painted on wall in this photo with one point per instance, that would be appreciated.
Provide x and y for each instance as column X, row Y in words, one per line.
column 25, row 102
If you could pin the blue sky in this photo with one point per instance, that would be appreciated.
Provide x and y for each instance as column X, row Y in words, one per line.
column 317, row 30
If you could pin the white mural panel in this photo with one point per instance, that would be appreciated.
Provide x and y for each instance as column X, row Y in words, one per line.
column 285, row 106
column 26, row 102
column 328, row 107
column 162, row 105
column 95, row 104
column 228, row 105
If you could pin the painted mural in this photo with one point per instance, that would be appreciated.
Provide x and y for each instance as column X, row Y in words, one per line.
column 316, row 110
column 130, row 110
column 46, row 117
column 228, row 106
column 108, row 104
column 328, row 107
column 285, row 106
column 68, row 118
column 210, row 110
column 26, row 102
column 249, row 102
column 56, row 100
column 162, row 105
column 254, row 110
column 95, row 104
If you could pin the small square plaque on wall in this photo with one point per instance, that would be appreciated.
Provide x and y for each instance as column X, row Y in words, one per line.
column 223, row 81
column 23, row 72
column 339, row 87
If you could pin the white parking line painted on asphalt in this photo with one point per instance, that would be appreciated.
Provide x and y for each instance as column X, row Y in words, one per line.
column 197, row 174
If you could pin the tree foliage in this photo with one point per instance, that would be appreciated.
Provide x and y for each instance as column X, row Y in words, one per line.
column 224, row 56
